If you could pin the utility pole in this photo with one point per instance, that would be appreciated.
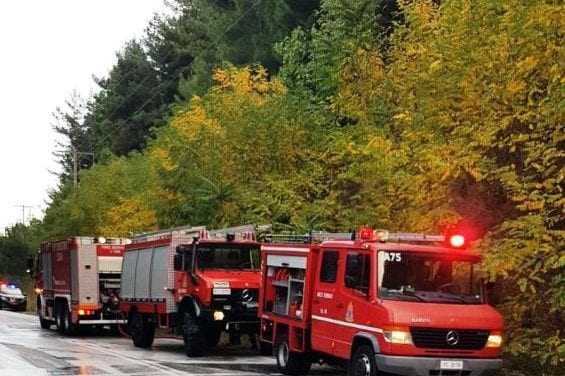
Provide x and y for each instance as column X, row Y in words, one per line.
column 75, row 168
column 76, row 155
column 24, row 207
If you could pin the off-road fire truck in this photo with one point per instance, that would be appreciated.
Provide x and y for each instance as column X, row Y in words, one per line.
column 77, row 281
column 193, row 284
column 406, row 304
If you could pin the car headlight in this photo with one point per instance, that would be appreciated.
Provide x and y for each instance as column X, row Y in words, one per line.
column 494, row 340
column 399, row 337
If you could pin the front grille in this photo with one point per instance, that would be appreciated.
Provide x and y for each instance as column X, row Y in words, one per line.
column 438, row 338
column 241, row 303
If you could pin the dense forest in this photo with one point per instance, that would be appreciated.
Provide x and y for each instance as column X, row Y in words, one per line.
column 408, row 115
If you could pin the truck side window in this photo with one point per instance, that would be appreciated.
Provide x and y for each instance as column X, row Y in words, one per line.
column 328, row 272
column 357, row 272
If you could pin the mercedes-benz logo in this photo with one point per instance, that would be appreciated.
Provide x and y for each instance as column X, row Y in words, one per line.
column 246, row 295
column 452, row 338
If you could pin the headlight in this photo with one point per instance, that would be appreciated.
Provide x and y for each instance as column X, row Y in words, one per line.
column 218, row 315
column 494, row 340
column 398, row 337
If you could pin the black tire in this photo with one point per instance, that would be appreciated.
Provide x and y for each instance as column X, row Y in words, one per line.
column 363, row 362
column 43, row 323
column 290, row 362
column 195, row 343
column 72, row 329
column 142, row 331
column 61, row 319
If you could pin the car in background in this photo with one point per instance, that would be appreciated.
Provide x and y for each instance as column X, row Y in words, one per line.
column 11, row 297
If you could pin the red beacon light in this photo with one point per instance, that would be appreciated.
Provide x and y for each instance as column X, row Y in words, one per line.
column 366, row 234
column 457, row 241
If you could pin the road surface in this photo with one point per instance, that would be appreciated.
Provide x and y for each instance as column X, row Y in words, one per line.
column 26, row 350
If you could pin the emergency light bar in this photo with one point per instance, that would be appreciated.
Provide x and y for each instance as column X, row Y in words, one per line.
column 366, row 234
column 455, row 240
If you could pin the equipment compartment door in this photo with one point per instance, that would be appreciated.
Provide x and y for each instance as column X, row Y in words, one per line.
column 323, row 302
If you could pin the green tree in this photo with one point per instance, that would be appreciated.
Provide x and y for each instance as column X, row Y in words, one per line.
column 129, row 105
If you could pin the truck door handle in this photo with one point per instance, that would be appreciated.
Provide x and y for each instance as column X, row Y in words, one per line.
column 339, row 305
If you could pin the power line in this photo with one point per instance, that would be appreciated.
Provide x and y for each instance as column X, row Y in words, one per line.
column 23, row 207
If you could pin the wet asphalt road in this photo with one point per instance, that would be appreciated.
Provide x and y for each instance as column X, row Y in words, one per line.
column 26, row 350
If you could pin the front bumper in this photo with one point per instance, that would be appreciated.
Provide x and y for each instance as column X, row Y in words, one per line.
column 421, row 366
column 19, row 305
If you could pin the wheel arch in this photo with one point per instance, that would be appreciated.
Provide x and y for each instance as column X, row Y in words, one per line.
column 189, row 304
column 364, row 338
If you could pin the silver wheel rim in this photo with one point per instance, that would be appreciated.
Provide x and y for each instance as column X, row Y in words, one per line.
column 283, row 354
column 363, row 366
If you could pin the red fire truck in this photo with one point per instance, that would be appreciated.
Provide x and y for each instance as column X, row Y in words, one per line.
column 407, row 304
column 77, row 281
column 192, row 284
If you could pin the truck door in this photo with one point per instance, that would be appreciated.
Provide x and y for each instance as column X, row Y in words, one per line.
column 323, row 302
column 352, row 295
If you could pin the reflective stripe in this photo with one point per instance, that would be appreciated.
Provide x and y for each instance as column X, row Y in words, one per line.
column 90, row 322
column 348, row 324
column 287, row 249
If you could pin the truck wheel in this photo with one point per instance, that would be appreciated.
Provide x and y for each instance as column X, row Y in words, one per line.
column 61, row 320
column 363, row 362
column 72, row 329
column 142, row 332
column 194, row 341
column 45, row 324
column 290, row 362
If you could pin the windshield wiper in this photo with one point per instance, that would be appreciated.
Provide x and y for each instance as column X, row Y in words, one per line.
column 402, row 294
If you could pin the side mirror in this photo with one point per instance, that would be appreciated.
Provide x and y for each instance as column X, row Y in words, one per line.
column 491, row 296
column 178, row 262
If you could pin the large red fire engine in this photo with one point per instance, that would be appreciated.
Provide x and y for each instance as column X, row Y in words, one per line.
column 77, row 281
column 192, row 284
column 378, row 302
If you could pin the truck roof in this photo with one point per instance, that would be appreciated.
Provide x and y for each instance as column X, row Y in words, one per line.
column 374, row 246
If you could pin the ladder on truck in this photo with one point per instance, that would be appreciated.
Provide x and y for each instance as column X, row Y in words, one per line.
column 242, row 232
column 377, row 235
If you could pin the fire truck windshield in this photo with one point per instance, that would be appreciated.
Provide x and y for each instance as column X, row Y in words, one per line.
column 227, row 257
column 428, row 278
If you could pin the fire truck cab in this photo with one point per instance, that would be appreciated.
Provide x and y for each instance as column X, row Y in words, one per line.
column 406, row 304
column 192, row 284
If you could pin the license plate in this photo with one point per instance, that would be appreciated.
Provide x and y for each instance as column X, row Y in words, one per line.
column 451, row 364
column 221, row 291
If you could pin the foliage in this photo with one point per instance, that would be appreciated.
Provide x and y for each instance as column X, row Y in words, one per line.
column 454, row 115
column 16, row 245
column 477, row 89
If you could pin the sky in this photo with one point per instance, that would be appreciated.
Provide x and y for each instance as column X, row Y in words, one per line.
column 48, row 49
